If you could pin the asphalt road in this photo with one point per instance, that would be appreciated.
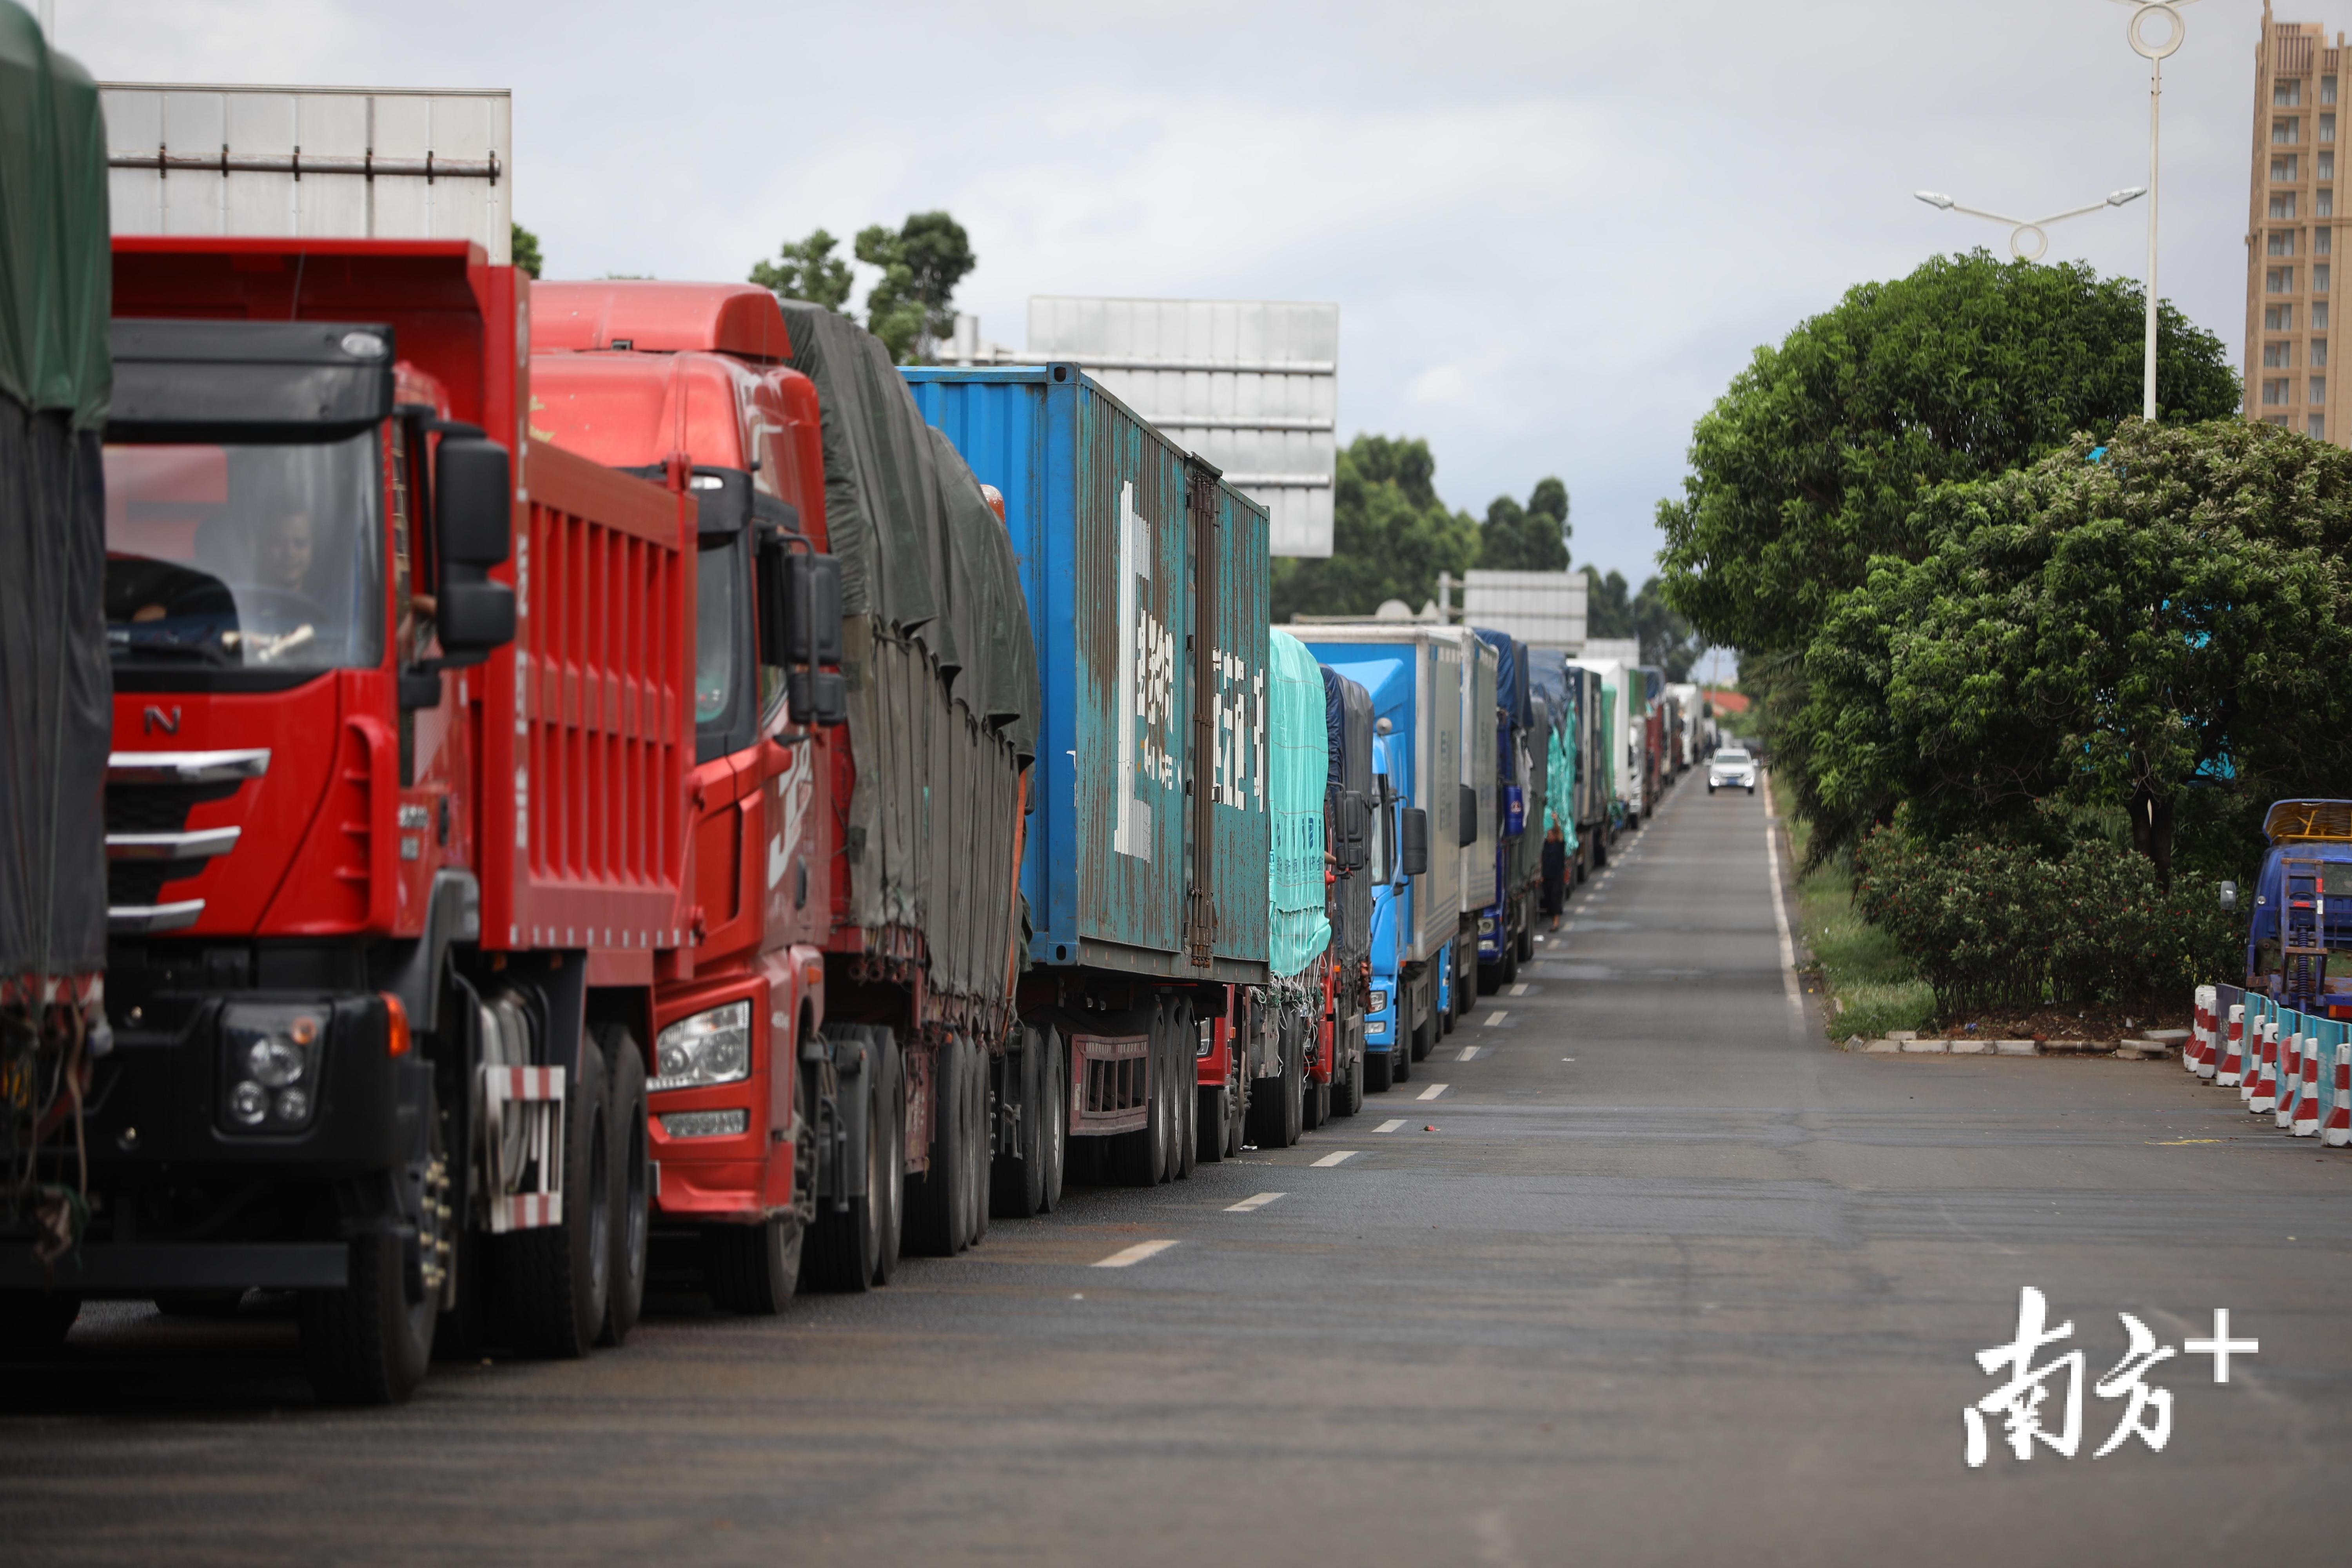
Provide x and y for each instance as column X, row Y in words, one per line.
column 1657, row 1276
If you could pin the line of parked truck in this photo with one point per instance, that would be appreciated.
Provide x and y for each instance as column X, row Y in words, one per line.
column 600, row 774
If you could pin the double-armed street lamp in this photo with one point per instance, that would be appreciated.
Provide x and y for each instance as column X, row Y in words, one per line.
column 2025, row 232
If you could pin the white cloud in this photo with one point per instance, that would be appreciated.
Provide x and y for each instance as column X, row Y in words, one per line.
column 1554, row 231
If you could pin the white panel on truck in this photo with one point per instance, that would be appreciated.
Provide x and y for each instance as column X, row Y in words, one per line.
column 1251, row 385
column 313, row 163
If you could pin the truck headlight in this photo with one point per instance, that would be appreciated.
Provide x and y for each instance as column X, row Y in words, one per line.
column 713, row 1047
column 270, row 1064
column 1380, row 1001
column 1486, row 925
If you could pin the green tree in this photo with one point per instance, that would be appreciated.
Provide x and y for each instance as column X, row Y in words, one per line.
column 1814, row 460
column 1607, row 611
column 524, row 246
column 1391, row 536
column 1665, row 636
column 2154, row 642
column 911, row 307
column 1530, row 538
column 807, row 269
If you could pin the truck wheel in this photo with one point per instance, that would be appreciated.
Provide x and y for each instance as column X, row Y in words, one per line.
column 1054, row 1074
column 937, row 1215
column 1137, row 1159
column 369, row 1343
column 1377, row 1071
column 1213, row 1116
column 37, row 1320
column 1183, row 1087
column 842, row 1250
column 1510, row 963
column 1172, row 1114
column 624, row 1098
column 1293, row 1101
column 560, row 1276
column 1402, row 1054
column 753, row 1269
column 1348, row 1097
column 1017, row 1187
column 1490, row 978
column 977, row 1139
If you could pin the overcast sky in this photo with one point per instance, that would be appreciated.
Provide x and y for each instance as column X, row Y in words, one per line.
column 1554, row 230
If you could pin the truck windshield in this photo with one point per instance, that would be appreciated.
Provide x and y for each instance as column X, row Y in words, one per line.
column 716, row 638
column 240, row 557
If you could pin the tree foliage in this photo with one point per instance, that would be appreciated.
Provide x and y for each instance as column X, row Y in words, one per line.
column 1391, row 536
column 2157, row 638
column 909, row 307
column 524, row 246
column 1815, row 459
column 807, row 269
column 1530, row 538
column 1666, row 638
column 1607, row 610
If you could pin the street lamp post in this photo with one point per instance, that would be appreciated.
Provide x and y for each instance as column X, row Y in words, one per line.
column 2177, row 32
column 2020, row 227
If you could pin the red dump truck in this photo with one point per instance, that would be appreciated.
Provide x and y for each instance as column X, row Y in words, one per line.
column 835, row 1052
column 398, row 817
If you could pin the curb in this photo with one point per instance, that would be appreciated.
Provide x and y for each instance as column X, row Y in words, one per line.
column 2158, row 1045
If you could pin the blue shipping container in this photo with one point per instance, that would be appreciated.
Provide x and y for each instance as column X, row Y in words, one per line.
column 1146, row 577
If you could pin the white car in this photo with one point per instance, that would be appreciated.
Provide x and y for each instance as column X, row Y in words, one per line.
column 1731, row 768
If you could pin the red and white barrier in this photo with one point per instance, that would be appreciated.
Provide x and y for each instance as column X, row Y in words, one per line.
column 2290, row 1078
column 2338, row 1131
column 2264, row 1095
column 2199, row 1058
column 2233, row 1070
column 2305, row 1123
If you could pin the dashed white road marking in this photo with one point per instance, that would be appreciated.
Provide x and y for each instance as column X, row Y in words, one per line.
column 1132, row 1254
column 1493, row 1018
column 1469, row 1053
column 1250, row 1205
column 1390, row 1125
column 1519, row 989
column 1334, row 1157
column 1433, row 1091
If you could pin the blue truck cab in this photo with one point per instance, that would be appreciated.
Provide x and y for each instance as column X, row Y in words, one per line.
column 2298, row 948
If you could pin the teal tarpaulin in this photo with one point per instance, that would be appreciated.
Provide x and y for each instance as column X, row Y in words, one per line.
column 1297, row 765
column 1559, row 780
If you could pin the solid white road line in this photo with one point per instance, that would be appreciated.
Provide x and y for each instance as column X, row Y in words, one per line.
column 1432, row 1092
column 1135, row 1254
column 1249, row 1205
column 1519, row 989
column 1780, row 914
column 1334, row 1157
column 1493, row 1018
column 1390, row 1125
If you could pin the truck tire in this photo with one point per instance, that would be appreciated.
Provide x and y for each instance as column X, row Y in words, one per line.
column 1172, row 1110
column 1183, row 1084
column 938, row 1209
column 368, row 1343
column 1490, row 978
column 1402, row 1054
column 1212, row 1114
column 752, row 1270
column 843, row 1251
column 1017, row 1187
column 1292, row 1103
column 558, row 1277
column 1054, row 1073
column 36, row 1319
column 1348, row 1093
column 979, row 1139
column 625, row 1095
column 1139, row 1159
column 1377, row 1071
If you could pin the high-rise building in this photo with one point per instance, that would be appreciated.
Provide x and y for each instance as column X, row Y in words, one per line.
column 2291, row 230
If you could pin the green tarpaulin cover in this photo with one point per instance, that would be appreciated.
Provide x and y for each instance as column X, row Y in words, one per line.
column 1560, row 779
column 1297, row 763
column 55, row 272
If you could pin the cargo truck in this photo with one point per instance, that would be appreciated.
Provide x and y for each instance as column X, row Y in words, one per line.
column 855, row 878
column 55, row 717
column 396, row 816
column 1350, row 802
column 1579, row 698
column 1619, row 745
column 1506, row 931
column 1145, row 871
column 1414, row 676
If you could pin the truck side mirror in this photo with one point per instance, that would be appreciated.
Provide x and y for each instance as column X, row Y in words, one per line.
column 474, row 526
column 800, row 628
column 2229, row 898
column 1413, row 841
column 1352, row 837
column 1468, row 813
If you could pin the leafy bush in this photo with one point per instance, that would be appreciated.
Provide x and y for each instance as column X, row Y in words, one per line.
column 1998, row 924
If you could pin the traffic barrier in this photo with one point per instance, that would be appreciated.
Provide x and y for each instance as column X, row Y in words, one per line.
column 2199, row 1058
column 2233, row 1070
column 2338, row 1132
column 2264, row 1094
column 2290, row 1075
column 2317, row 1037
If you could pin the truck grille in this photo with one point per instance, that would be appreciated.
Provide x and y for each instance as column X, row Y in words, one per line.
column 147, row 797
